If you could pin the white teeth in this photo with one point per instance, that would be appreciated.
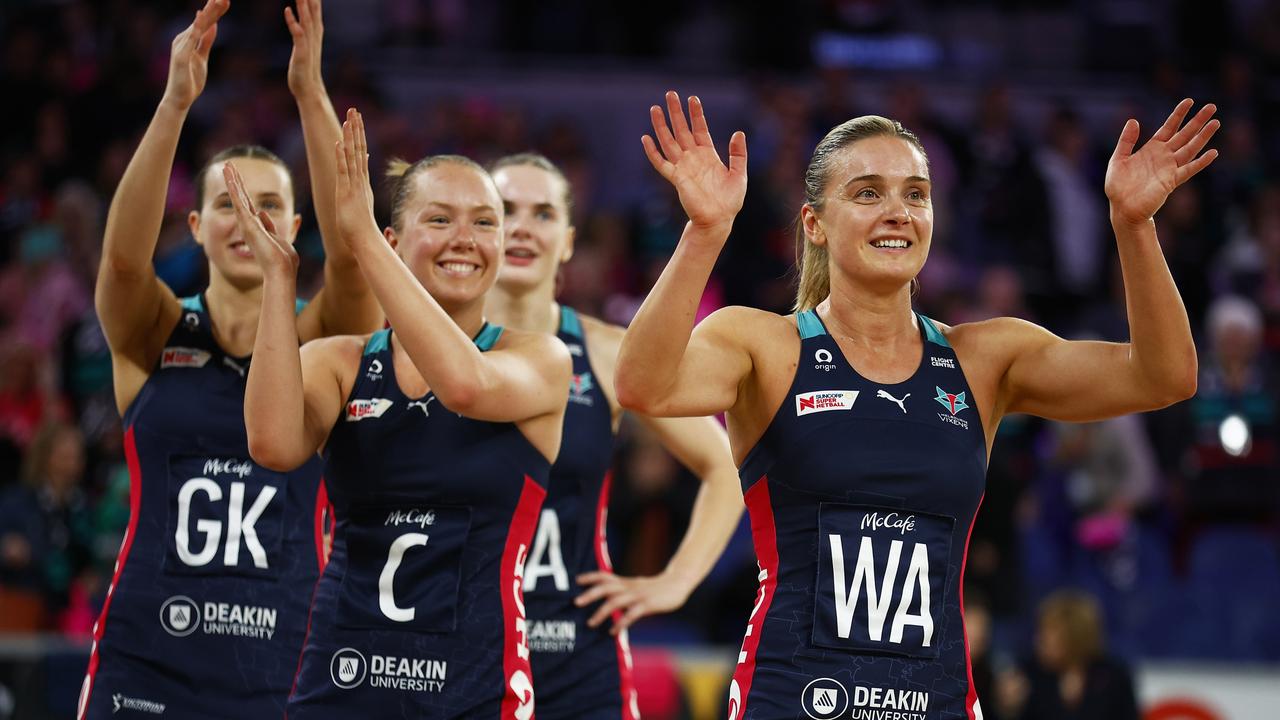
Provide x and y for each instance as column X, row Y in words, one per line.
column 890, row 243
column 458, row 267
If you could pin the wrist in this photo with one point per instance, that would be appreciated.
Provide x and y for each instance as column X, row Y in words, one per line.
column 1121, row 220
column 171, row 106
column 679, row 581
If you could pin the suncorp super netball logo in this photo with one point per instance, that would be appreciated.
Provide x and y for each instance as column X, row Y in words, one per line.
column 825, row 401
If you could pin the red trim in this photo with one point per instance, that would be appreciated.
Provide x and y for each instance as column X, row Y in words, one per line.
column 626, row 677
column 765, row 536
column 517, row 698
column 971, row 700
column 323, row 516
column 297, row 672
column 99, row 627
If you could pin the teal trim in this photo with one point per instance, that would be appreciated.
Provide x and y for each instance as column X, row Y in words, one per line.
column 195, row 303
column 377, row 342
column 569, row 322
column 298, row 305
column 488, row 337
column 931, row 332
column 809, row 324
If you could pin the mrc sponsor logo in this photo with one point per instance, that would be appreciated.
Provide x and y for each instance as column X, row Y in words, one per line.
column 183, row 357
column 552, row 636
column 373, row 407
column 349, row 669
column 181, row 616
column 824, row 401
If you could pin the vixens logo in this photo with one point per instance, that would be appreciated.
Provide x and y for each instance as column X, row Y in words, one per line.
column 579, row 387
column 953, row 403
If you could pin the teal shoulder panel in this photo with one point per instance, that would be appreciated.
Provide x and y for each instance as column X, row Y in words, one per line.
column 298, row 305
column 377, row 342
column 194, row 303
column 932, row 333
column 570, row 324
column 809, row 324
column 488, row 337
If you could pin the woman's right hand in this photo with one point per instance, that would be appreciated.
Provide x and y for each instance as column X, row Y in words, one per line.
column 710, row 193
column 189, row 55
column 353, row 192
column 275, row 255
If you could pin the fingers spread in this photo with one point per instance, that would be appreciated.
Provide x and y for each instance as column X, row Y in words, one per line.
column 701, row 133
column 679, row 125
column 1193, row 127
column 738, row 153
column 1174, row 120
column 1128, row 139
column 670, row 148
column 1191, row 169
column 1190, row 150
column 658, row 162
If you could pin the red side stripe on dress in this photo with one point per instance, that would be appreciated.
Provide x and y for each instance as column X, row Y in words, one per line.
column 517, row 696
column 626, row 679
column 765, row 537
column 323, row 513
column 971, row 700
column 135, row 502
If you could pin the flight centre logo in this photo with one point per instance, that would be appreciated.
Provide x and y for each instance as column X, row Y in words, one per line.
column 349, row 669
column 825, row 401
column 181, row 616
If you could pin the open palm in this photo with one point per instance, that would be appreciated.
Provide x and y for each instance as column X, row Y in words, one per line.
column 275, row 254
column 1138, row 183
column 189, row 54
column 353, row 191
column 710, row 192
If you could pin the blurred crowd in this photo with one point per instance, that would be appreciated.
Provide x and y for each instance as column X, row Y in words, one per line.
column 1172, row 516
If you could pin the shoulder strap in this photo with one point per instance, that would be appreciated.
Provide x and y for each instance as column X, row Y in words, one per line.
column 570, row 324
column 809, row 324
column 932, row 333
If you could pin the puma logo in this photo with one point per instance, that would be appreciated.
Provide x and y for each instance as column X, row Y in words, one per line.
column 900, row 403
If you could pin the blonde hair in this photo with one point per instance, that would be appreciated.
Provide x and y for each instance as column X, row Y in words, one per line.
column 400, row 173
column 813, row 261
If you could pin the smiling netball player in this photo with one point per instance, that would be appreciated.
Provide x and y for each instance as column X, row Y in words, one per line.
column 207, row 609
column 438, row 435
column 862, row 428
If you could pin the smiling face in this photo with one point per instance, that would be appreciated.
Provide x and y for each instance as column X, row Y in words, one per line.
column 450, row 232
column 538, row 235
column 215, row 227
column 876, row 216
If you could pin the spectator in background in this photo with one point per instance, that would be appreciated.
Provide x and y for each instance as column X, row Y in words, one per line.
column 46, row 532
column 1234, row 420
column 41, row 294
column 1076, row 207
column 1071, row 677
column 28, row 398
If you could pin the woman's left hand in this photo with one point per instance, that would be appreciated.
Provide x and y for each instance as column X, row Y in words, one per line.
column 275, row 255
column 1138, row 183
column 631, row 597
column 353, row 191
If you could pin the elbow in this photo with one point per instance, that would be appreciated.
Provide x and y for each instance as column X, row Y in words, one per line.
column 460, row 397
column 631, row 394
column 267, row 452
column 1178, row 387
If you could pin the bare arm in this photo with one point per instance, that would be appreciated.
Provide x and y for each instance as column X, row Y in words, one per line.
column 700, row 444
column 130, row 299
column 345, row 305
column 665, row 367
column 1063, row 380
column 527, row 378
column 288, row 395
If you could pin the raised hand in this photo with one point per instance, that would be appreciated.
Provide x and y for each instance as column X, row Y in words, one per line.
column 274, row 254
column 631, row 598
column 353, row 192
column 710, row 193
column 1138, row 183
column 189, row 55
column 307, row 29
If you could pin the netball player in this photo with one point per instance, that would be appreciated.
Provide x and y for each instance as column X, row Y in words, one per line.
column 861, row 428
column 438, row 434
column 580, row 671
column 206, row 612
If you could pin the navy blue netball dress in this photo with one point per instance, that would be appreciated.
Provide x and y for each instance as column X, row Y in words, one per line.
column 580, row 672
column 207, row 607
column 419, row 613
column 861, row 498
